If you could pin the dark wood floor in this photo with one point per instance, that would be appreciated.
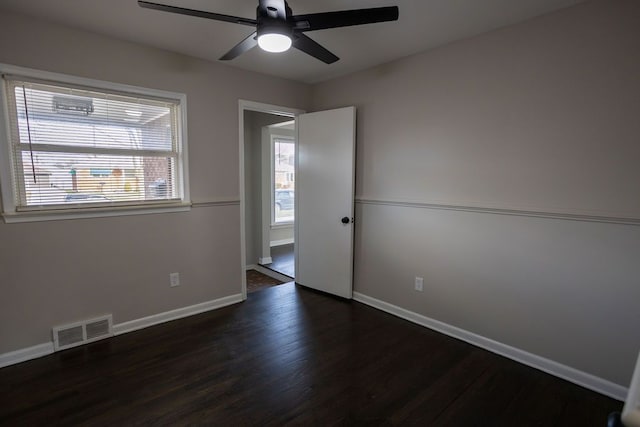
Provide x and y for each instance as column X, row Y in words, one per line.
column 290, row 356
column 283, row 260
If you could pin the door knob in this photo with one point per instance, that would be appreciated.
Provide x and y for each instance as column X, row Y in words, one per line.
column 345, row 220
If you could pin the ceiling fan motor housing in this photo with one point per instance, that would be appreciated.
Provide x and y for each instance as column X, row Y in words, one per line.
column 270, row 23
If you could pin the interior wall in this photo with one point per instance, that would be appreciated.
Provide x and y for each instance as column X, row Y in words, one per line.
column 534, row 119
column 62, row 271
column 280, row 234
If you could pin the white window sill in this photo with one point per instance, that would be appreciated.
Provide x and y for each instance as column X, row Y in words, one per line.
column 96, row 212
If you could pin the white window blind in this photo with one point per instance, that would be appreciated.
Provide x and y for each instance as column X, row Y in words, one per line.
column 75, row 147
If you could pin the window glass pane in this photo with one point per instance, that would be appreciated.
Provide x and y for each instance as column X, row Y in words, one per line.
column 70, row 178
column 92, row 121
column 284, row 182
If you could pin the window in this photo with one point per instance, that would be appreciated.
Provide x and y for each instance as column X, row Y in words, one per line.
column 283, row 180
column 73, row 144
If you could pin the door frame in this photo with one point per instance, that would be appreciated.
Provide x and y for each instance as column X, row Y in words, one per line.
column 245, row 105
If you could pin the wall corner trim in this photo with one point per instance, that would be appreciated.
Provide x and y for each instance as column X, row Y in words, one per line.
column 25, row 354
column 167, row 316
column 559, row 370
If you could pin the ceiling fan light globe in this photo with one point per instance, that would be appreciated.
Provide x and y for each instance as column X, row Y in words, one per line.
column 274, row 42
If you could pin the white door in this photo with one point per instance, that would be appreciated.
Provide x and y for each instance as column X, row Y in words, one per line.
column 324, row 200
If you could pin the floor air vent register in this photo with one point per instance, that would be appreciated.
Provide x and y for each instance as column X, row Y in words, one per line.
column 83, row 332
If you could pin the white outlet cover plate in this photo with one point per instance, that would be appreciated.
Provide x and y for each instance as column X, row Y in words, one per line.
column 174, row 279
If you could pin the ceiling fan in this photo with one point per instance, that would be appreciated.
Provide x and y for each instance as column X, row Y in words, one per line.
column 277, row 29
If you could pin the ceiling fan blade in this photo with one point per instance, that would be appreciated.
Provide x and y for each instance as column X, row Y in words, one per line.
column 274, row 8
column 198, row 13
column 245, row 45
column 344, row 18
column 310, row 47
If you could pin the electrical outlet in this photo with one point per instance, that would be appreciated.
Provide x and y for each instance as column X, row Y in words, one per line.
column 419, row 284
column 174, row 279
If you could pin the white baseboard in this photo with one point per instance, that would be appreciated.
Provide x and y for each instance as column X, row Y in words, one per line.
column 565, row 372
column 167, row 316
column 272, row 274
column 280, row 242
column 25, row 354
column 45, row 349
column 265, row 260
column 250, row 267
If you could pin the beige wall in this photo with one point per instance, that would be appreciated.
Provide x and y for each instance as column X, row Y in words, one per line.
column 540, row 116
column 62, row 271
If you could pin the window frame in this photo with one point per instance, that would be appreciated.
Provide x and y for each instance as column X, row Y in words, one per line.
column 9, row 210
column 272, row 163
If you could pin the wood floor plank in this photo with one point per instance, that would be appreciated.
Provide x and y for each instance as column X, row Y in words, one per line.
column 290, row 356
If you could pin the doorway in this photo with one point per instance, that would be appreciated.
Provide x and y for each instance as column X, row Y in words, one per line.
column 280, row 162
column 325, row 182
column 267, row 194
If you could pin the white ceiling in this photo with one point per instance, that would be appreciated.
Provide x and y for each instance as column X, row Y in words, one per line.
column 423, row 24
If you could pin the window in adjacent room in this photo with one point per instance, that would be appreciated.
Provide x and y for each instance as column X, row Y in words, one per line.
column 283, row 179
column 90, row 146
